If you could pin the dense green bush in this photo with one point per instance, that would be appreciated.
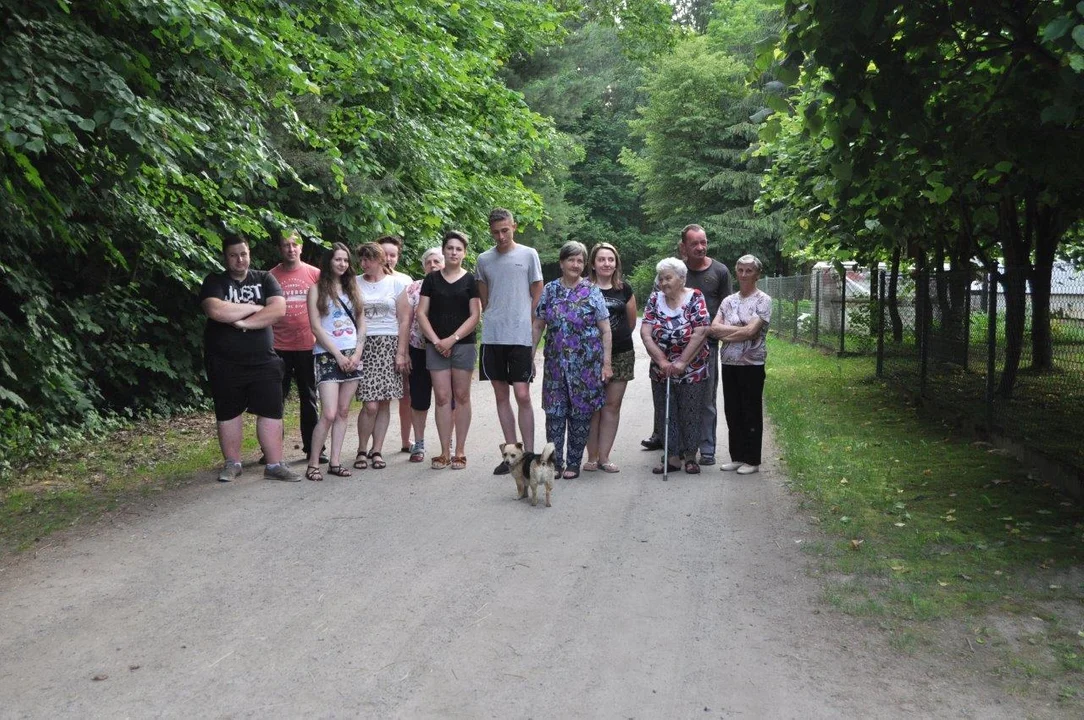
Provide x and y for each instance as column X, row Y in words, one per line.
column 134, row 134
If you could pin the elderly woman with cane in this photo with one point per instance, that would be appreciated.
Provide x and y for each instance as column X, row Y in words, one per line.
column 577, row 324
column 674, row 331
column 742, row 327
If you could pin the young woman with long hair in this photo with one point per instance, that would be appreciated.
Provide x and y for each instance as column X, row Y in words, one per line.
column 604, row 268
column 338, row 324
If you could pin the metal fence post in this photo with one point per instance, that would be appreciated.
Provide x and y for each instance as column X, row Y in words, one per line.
column 924, row 317
column 880, row 323
column 796, row 301
column 816, row 307
column 843, row 312
column 967, row 327
column 991, row 346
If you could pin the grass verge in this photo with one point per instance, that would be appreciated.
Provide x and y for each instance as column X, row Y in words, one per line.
column 930, row 533
column 91, row 478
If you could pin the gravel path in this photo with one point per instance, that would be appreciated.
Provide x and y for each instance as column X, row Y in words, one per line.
column 412, row 593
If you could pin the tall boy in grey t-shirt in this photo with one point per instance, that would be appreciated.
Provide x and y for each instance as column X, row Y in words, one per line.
column 510, row 284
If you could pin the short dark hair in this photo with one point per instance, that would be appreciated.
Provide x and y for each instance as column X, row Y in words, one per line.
column 688, row 229
column 455, row 235
column 391, row 240
column 233, row 239
column 497, row 215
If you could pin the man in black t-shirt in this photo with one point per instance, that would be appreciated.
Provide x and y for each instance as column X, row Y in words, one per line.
column 241, row 305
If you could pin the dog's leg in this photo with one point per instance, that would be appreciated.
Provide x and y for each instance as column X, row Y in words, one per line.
column 549, row 486
column 534, row 491
column 521, row 488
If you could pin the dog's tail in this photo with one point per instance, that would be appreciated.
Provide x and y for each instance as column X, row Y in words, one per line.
column 546, row 456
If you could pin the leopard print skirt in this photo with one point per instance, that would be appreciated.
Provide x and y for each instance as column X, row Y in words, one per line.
column 379, row 380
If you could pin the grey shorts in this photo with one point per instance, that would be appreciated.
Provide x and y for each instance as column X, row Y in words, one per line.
column 463, row 357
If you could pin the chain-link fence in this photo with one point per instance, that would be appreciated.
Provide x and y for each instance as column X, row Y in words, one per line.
column 945, row 335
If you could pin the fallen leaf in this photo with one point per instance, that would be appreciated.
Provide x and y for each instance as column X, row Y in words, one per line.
column 844, row 481
column 1055, row 587
column 901, row 524
column 942, row 583
column 856, row 544
column 99, row 678
column 927, row 472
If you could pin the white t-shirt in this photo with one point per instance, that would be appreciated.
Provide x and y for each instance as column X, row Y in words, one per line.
column 379, row 300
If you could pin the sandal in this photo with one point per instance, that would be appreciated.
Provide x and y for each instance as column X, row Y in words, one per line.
column 691, row 467
column 590, row 466
column 459, row 462
column 657, row 470
column 417, row 453
column 571, row 472
column 377, row 460
column 361, row 462
column 439, row 462
column 312, row 472
column 338, row 470
column 608, row 467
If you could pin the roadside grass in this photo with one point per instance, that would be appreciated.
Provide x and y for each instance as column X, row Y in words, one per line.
column 925, row 528
column 91, row 478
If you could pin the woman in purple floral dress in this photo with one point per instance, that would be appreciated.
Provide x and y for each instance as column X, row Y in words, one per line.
column 573, row 314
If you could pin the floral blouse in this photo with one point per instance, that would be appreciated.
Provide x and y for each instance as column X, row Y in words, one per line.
column 738, row 310
column 572, row 381
column 673, row 332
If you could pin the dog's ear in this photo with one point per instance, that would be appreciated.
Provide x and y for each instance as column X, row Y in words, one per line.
column 519, row 446
column 500, row 448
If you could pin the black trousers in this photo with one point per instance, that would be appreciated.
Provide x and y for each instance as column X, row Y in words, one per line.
column 301, row 369
column 743, row 406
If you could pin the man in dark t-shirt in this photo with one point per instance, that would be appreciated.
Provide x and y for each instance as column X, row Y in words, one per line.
column 241, row 305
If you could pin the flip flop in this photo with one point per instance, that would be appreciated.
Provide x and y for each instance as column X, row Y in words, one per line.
column 608, row 467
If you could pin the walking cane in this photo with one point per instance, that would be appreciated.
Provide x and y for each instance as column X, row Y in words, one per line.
column 666, row 436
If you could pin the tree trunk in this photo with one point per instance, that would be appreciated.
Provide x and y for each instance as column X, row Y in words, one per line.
column 1046, row 242
column 1015, row 246
column 893, row 300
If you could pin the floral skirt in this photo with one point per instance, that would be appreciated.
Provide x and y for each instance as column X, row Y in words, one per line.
column 327, row 370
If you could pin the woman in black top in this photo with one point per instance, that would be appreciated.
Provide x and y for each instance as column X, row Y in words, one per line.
column 448, row 311
column 605, row 270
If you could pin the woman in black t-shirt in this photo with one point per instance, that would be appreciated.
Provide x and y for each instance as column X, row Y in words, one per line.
column 604, row 265
column 448, row 311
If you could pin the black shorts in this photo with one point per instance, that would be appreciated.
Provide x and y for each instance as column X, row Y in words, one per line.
column 236, row 388
column 421, row 384
column 507, row 363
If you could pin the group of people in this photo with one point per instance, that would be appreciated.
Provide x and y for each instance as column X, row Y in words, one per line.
column 356, row 328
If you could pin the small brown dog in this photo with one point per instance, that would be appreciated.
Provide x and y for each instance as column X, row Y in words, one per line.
column 530, row 469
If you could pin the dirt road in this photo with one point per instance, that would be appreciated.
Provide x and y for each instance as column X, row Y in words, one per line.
column 413, row 593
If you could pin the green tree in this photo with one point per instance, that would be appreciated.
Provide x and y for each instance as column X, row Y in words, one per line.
column 133, row 135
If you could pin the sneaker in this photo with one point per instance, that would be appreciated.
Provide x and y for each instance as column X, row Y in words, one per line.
column 730, row 466
column 502, row 469
column 654, row 442
column 229, row 471
column 748, row 469
column 707, row 459
column 280, row 471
